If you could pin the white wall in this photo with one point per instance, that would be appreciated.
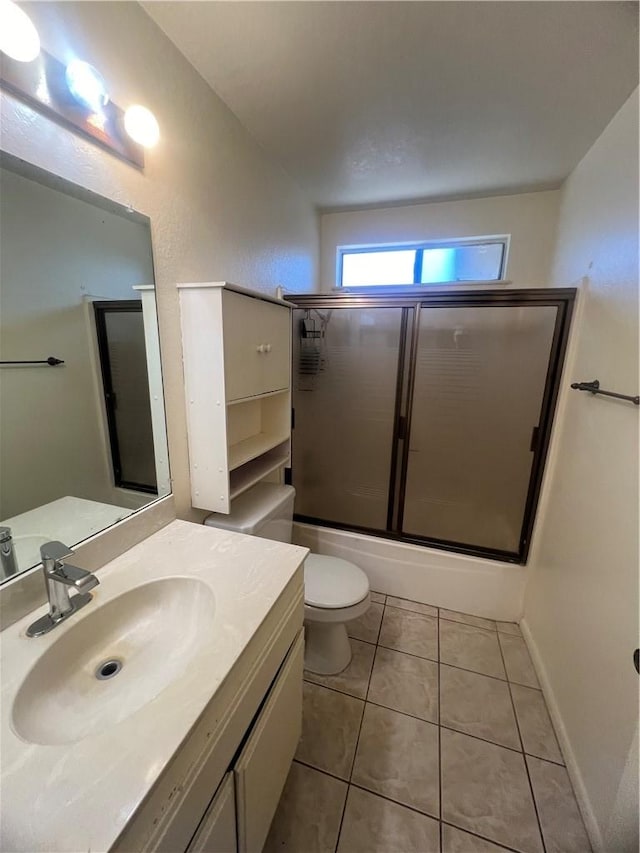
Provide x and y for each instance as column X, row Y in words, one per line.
column 219, row 208
column 530, row 218
column 581, row 602
column 57, row 253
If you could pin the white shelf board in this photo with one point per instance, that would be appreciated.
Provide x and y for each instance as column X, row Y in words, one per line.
column 243, row 400
column 252, row 447
column 252, row 472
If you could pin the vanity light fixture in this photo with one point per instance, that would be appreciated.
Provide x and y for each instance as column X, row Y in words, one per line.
column 86, row 85
column 19, row 38
column 141, row 125
column 76, row 96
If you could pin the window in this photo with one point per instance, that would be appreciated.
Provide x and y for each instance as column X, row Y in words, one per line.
column 477, row 259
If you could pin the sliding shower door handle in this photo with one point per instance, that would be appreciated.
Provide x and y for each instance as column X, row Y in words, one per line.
column 535, row 433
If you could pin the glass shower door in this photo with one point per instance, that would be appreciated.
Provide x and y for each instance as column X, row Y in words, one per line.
column 345, row 364
column 480, row 377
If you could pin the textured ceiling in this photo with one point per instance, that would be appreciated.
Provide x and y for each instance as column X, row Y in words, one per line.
column 375, row 102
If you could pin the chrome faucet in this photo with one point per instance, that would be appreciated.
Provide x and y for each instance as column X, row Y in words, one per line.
column 60, row 578
column 8, row 559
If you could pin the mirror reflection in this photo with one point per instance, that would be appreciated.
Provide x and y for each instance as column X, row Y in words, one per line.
column 82, row 441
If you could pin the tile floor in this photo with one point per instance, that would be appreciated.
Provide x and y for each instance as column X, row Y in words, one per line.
column 435, row 738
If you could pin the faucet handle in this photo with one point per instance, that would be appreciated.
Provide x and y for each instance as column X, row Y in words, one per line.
column 53, row 555
column 5, row 534
column 55, row 551
column 74, row 576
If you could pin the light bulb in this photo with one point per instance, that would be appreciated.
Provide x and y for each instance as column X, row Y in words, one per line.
column 141, row 125
column 87, row 85
column 19, row 38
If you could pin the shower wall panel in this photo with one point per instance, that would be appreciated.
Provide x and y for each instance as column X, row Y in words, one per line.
column 345, row 375
column 478, row 391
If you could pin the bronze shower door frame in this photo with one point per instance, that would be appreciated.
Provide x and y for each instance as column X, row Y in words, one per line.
column 562, row 299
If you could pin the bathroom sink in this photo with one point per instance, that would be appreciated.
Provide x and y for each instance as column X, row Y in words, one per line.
column 115, row 660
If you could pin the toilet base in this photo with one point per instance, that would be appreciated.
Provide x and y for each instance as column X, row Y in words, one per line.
column 327, row 647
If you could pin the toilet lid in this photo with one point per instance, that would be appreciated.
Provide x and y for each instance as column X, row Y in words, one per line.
column 330, row 582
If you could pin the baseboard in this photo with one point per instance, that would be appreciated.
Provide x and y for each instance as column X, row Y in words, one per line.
column 582, row 797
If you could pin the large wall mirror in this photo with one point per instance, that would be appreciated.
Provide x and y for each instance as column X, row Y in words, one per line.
column 82, row 442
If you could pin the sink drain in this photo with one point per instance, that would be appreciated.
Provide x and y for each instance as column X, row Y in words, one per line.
column 108, row 669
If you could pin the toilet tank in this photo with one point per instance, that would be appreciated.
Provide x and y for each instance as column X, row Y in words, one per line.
column 264, row 510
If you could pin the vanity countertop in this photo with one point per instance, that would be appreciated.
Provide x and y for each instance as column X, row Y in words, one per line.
column 79, row 795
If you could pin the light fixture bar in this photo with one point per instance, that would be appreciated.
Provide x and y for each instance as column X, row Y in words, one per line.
column 42, row 85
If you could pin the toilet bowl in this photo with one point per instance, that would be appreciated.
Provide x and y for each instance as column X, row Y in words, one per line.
column 336, row 590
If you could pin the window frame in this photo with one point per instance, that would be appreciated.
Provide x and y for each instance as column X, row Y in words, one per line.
column 456, row 242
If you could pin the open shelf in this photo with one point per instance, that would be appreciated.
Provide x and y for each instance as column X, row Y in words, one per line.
column 255, row 426
column 255, row 445
column 251, row 472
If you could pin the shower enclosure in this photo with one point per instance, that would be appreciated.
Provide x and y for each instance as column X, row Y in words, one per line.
column 427, row 418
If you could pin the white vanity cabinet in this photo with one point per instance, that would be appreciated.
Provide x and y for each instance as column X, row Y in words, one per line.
column 236, row 348
column 191, row 751
column 217, row 830
column 221, row 790
column 240, row 814
column 262, row 767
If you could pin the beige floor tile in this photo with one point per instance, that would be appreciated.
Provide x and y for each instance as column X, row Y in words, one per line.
column 470, row 648
column 309, row 813
column 397, row 757
column 476, row 621
column 485, row 789
column 405, row 683
column 477, row 705
column 374, row 825
column 367, row 626
column 410, row 632
column 378, row 597
column 509, row 628
column 456, row 841
column 562, row 825
column 330, row 725
column 355, row 678
column 517, row 661
column 535, row 724
column 415, row 606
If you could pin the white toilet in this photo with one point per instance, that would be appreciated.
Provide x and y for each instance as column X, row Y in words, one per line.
column 335, row 590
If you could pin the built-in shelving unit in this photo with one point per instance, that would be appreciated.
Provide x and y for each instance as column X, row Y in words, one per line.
column 252, row 472
column 237, row 370
column 256, row 425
